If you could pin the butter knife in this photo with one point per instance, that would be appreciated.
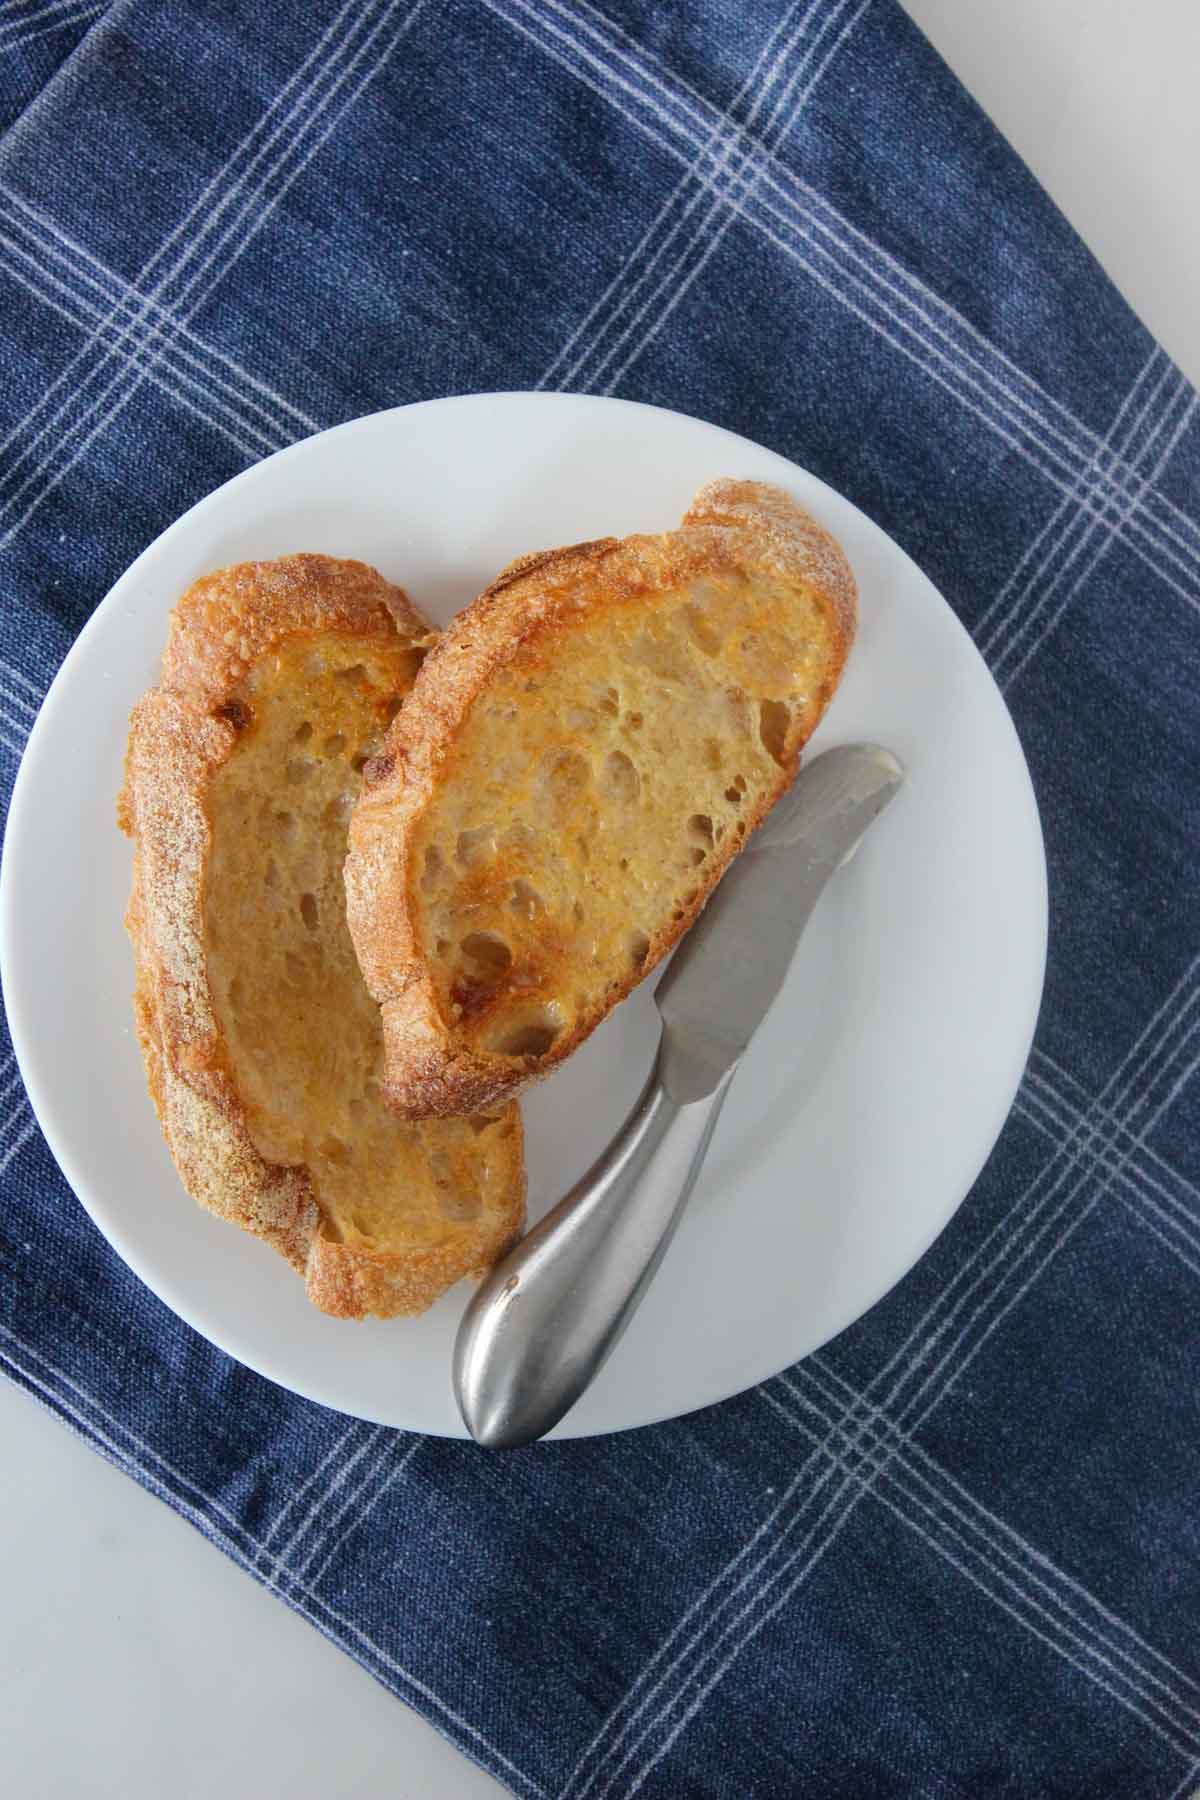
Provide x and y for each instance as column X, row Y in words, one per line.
column 548, row 1315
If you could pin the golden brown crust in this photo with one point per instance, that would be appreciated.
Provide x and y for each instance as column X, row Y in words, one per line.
column 180, row 735
column 729, row 523
column 350, row 1282
column 227, row 620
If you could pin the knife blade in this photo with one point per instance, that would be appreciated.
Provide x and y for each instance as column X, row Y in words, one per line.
column 725, row 975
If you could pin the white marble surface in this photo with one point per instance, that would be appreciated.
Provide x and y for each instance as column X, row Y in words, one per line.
column 134, row 1659
column 1099, row 97
column 137, row 1661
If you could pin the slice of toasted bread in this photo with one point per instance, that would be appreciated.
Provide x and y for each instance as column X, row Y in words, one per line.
column 262, row 1046
column 582, row 754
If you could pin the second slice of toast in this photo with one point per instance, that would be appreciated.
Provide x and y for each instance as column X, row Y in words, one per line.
column 263, row 1048
column 583, row 753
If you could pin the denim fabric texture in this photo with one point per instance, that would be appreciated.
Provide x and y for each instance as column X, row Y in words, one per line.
column 957, row 1552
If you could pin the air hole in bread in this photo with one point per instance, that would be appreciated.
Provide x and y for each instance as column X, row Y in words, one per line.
column 490, row 955
column 634, row 721
column 701, row 826
column 526, row 901
column 533, row 1038
column 392, row 707
column 285, row 826
column 298, row 770
column 568, row 773
column 639, row 948
column 471, row 841
column 359, row 761
column 659, row 655
column 621, row 777
column 696, row 856
column 610, row 702
column 577, row 911
column 334, row 745
column 483, row 1122
column 702, row 630
column 734, row 796
column 352, row 675
column 623, row 864
column 333, row 1148
column 303, row 732
column 774, row 722
column 309, row 912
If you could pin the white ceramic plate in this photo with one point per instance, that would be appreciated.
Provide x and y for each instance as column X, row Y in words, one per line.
column 870, row 1097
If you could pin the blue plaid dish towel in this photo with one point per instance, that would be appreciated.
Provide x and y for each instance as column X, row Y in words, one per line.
column 957, row 1552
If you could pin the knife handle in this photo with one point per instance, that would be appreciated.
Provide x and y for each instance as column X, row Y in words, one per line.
column 546, row 1318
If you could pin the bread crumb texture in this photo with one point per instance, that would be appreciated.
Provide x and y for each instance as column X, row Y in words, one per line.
column 588, row 793
column 583, row 755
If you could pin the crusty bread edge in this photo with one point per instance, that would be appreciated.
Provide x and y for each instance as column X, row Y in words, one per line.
column 180, row 734
column 426, row 1071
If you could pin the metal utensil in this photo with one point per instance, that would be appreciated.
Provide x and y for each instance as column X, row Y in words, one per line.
column 549, row 1314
